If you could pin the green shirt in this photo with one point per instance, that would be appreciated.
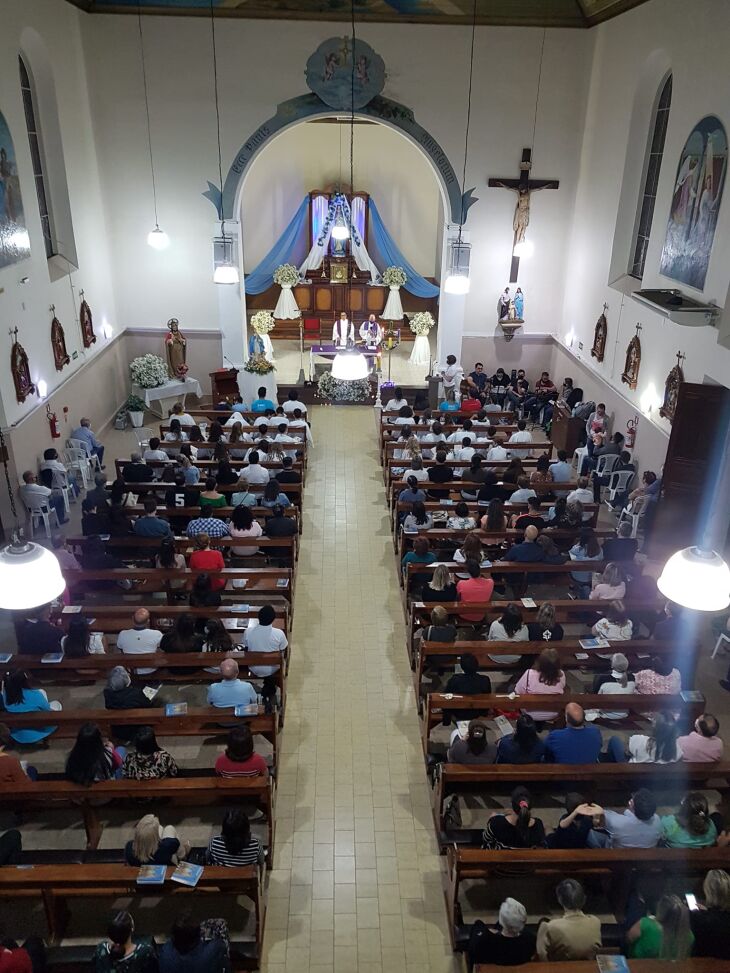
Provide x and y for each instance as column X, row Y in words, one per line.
column 218, row 502
column 678, row 837
column 140, row 960
column 649, row 943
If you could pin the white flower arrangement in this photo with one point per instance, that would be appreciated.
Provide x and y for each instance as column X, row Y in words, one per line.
column 421, row 322
column 286, row 275
column 262, row 322
column 148, row 371
column 394, row 276
column 338, row 390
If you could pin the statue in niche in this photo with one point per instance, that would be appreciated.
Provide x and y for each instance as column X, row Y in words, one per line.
column 176, row 350
column 671, row 389
column 503, row 305
column 20, row 369
column 86, row 322
column 599, row 336
column 58, row 342
column 630, row 374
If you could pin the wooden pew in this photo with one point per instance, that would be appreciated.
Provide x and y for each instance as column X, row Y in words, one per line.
column 298, row 431
column 208, row 467
column 479, row 509
column 452, row 538
column 292, row 490
column 638, row 705
column 50, row 795
column 57, row 885
column 589, row 779
column 456, row 486
column 220, row 513
column 132, row 545
column 114, row 618
column 392, row 464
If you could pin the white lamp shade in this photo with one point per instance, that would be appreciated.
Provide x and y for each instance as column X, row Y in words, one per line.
column 349, row 366
column 457, row 279
column 225, row 274
column 525, row 248
column 158, row 239
column 457, row 284
column 30, row 576
column 696, row 579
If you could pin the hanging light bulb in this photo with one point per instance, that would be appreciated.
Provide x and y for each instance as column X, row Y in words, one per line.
column 696, row 578
column 457, row 280
column 525, row 248
column 340, row 230
column 349, row 366
column 30, row 575
column 225, row 273
column 158, row 239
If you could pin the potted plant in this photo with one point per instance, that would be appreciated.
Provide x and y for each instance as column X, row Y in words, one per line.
column 135, row 407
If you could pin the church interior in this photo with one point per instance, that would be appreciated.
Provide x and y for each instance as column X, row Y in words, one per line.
column 322, row 319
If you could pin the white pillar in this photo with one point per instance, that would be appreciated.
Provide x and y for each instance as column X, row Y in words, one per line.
column 232, row 307
column 452, row 307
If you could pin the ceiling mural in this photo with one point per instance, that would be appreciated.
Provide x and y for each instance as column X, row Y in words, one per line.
column 548, row 13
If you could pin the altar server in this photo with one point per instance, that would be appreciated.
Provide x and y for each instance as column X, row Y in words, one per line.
column 343, row 331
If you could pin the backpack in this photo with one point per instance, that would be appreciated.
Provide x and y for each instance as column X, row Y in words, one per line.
column 584, row 410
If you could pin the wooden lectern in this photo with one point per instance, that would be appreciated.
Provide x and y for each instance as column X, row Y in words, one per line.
column 565, row 431
column 224, row 384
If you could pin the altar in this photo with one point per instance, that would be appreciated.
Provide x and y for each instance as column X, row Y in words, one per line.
column 328, row 352
column 174, row 390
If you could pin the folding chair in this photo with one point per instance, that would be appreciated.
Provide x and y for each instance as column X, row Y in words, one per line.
column 80, row 444
column 40, row 510
column 634, row 512
column 605, row 464
column 722, row 637
column 619, row 483
column 78, row 459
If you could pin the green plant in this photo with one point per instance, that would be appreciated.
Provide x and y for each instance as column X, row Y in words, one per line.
column 133, row 404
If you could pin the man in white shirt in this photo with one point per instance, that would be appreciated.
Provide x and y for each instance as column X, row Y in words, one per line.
column 582, row 493
column 462, row 433
column 254, row 473
column 261, row 636
column 343, row 331
column 60, row 476
column 299, row 422
column 141, row 639
column 523, row 435
column 32, row 492
column 451, row 374
column 293, row 403
column 465, row 450
column 523, row 492
column 397, row 402
column 267, row 419
column 497, row 453
column 415, row 470
column 154, row 453
column 282, row 436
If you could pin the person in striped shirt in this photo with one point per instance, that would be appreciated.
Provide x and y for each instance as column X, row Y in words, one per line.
column 235, row 846
column 239, row 758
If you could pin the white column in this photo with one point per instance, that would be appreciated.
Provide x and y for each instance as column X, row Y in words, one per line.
column 452, row 307
column 232, row 307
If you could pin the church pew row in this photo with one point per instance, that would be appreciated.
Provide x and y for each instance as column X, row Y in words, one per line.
column 478, row 429
column 223, row 415
column 59, row 885
column 549, row 865
column 292, row 490
column 478, row 510
column 445, row 655
column 388, row 430
column 203, row 721
column 638, row 706
column 208, row 467
column 220, row 513
column 479, row 442
column 130, row 547
column 692, row 964
column 392, row 470
column 96, row 668
column 299, row 432
column 590, row 780
column 456, row 486
column 50, row 795
column 450, row 538
column 115, row 617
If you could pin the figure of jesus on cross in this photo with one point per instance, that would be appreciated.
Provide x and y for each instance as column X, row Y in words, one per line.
column 524, row 187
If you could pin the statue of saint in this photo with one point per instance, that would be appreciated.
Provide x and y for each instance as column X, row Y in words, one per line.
column 175, row 350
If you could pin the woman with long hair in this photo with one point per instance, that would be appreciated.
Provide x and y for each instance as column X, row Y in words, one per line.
column 473, row 478
column 545, row 627
column 586, row 548
column 190, row 471
column 181, row 637
column 243, row 524
column 168, row 559
column 235, row 846
column 203, row 594
column 664, row 935
column 273, row 497
column 543, row 679
column 154, row 845
column 471, row 549
column 239, row 758
column 517, row 828
column 225, row 475
column 18, row 697
column 494, row 519
column 461, row 518
column 658, row 747
column 616, row 626
column 476, row 748
column 80, row 640
column 122, row 953
column 557, row 514
column 237, row 438
column 92, row 757
column 542, row 475
column 514, row 471
column 524, row 746
column 441, row 586
column 611, row 586
column 217, row 637
column 149, row 761
column 692, row 825
column 419, row 518
column 175, row 433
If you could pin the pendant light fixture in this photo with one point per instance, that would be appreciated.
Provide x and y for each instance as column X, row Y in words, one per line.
column 526, row 248
column 30, row 575
column 156, row 238
column 226, row 269
column 457, row 278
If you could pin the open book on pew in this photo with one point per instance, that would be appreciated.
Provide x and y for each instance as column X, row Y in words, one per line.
column 612, row 964
column 187, row 874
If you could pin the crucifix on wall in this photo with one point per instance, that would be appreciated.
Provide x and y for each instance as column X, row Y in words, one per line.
column 524, row 187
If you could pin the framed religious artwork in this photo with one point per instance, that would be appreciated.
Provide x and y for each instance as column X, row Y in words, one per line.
column 86, row 322
column 20, row 369
column 58, row 342
column 671, row 389
column 630, row 375
column 338, row 271
column 599, row 336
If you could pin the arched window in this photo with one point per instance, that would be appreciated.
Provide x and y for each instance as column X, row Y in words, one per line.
column 36, row 155
column 645, row 214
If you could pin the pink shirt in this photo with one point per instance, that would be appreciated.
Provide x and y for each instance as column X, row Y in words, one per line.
column 474, row 589
column 700, row 749
column 652, row 684
column 529, row 682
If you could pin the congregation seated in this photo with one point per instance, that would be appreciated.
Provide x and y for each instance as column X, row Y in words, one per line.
column 154, row 845
column 470, row 550
column 211, row 497
column 92, row 522
column 544, row 678
column 523, row 745
column 279, row 525
column 242, row 524
column 19, row 697
column 92, row 758
column 508, row 944
column 231, row 691
column 181, row 636
column 575, row 935
column 204, row 524
column 137, row 471
column 261, row 636
column 544, row 626
column 122, row 950
column 518, row 828
column 239, row 759
column 149, row 524
column 235, row 846
column 418, row 518
column 666, row 933
column 475, row 589
column 615, row 626
column 149, row 761
column 120, row 694
column 561, row 470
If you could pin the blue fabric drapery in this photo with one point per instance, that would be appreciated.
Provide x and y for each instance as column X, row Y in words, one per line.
column 261, row 277
column 416, row 284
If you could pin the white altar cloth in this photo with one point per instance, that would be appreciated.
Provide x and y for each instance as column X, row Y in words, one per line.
column 174, row 390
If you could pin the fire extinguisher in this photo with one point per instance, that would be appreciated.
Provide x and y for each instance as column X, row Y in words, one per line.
column 53, row 423
column 631, row 432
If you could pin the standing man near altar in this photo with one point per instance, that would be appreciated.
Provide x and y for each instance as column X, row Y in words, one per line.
column 343, row 331
column 371, row 332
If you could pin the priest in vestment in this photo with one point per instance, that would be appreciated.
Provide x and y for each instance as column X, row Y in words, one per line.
column 371, row 332
column 343, row 331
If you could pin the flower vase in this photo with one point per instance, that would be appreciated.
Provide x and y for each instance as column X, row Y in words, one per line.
column 393, row 307
column 421, row 353
column 136, row 418
column 286, row 307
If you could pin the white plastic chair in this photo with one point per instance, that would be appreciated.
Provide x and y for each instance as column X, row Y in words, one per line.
column 80, row 444
column 60, row 482
column 634, row 512
column 620, row 481
column 580, row 454
column 40, row 510
column 605, row 464
column 722, row 637
column 78, row 459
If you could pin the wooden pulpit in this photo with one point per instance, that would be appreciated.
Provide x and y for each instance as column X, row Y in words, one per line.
column 224, row 383
column 565, row 431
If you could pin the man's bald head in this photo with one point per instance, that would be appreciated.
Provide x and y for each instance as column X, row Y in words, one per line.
column 141, row 618
column 531, row 533
column 574, row 715
column 229, row 669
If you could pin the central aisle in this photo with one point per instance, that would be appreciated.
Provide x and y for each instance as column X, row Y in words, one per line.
column 356, row 886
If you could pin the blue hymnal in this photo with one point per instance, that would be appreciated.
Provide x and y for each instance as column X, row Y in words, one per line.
column 176, row 709
column 151, row 875
column 187, row 874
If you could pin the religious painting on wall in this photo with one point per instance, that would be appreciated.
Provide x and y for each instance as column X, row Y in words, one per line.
column 87, row 323
column 330, row 73
column 20, row 370
column 14, row 239
column 695, row 204
column 599, row 337
column 671, row 389
column 630, row 374
column 58, row 342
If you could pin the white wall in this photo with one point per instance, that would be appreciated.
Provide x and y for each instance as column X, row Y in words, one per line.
column 633, row 53
column 316, row 155
column 46, row 29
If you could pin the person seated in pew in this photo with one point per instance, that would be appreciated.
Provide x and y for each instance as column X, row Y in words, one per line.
column 212, row 526
column 553, row 554
column 210, row 498
column 450, row 402
column 497, row 453
column 618, row 683
column 239, row 759
column 577, row 743
column 242, row 524
column 141, row 639
column 404, row 417
column 581, row 493
column 119, row 693
column 287, row 474
column 92, row 522
column 474, row 589
column 279, row 525
column 175, row 436
column 242, row 496
column 662, row 678
column 544, row 626
column 397, row 402
column 576, row 825
column 464, row 451
column 440, row 629
column 207, row 559
column 494, row 519
column 168, row 559
column 512, row 475
column 523, row 435
column 195, row 439
column 531, row 518
column 710, row 921
column 153, row 453
column 181, row 637
column 242, row 440
column 523, row 746
column 561, row 469
column 149, row 760
column 474, row 749
column 225, row 475
column 149, row 524
column 93, row 758
column 136, row 471
column 255, row 474
column 665, row 934
column 468, row 682
column 702, row 744
column 611, row 586
column 693, row 826
column 261, row 636
column 204, row 595
column 440, row 473
column 586, row 548
column 461, row 519
column 99, row 494
column 471, row 402
column 178, row 412
column 18, row 697
column 418, row 518
column 231, row 691
column 527, row 551
column 474, row 477
column 123, row 951
column 64, row 555
column 440, row 586
column 80, row 641
column 509, row 627
column 660, row 746
column 490, row 488
column 190, row 472
column 544, row 678
column 638, row 826
column 517, row 828
column 273, row 496
column 542, row 477
column 36, row 634
column 421, row 554
column 194, row 947
column 154, row 845
column 235, row 846
column 575, row 935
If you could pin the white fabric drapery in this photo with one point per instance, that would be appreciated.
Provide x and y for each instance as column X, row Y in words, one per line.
column 421, row 353
column 286, row 307
column 393, row 308
column 359, row 251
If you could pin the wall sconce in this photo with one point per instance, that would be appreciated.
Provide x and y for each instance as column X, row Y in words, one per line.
column 106, row 329
column 570, row 338
column 649, row 400
column 42, row 387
